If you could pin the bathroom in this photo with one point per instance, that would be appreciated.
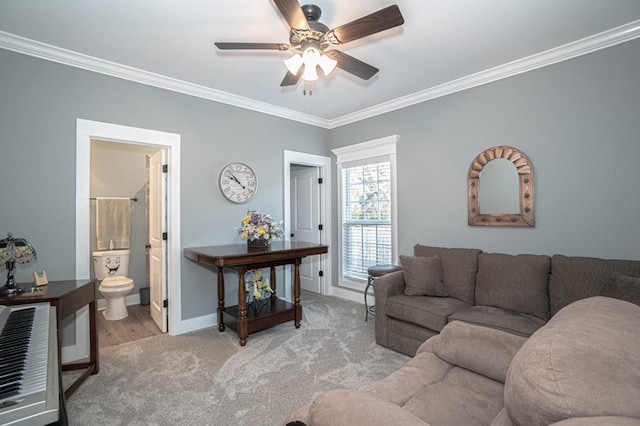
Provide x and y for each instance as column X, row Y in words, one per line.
column 120, row 170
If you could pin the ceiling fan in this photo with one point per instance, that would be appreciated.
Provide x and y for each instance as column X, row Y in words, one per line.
column 314, row 43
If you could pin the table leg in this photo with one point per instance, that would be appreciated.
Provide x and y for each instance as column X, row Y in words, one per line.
column 272, row 278
column 243, row 328
column 220, row 299
column 296, row 292
column 93, row 338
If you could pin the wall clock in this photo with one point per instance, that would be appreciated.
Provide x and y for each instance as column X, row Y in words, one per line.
column 238, row 182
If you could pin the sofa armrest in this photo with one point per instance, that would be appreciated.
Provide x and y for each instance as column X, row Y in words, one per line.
column 389, row 285
column 485, row 350
column 342, row 407
column 385, row 287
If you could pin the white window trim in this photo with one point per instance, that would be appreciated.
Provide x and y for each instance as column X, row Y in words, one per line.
column 383, row 147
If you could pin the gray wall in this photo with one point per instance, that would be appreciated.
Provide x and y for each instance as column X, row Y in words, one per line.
column 39, row 104
column 579, row 123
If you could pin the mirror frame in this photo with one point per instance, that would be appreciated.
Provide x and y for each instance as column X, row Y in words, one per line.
column 524, row 168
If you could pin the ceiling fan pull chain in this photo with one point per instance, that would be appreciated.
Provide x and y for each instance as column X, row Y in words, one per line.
column 308, row 87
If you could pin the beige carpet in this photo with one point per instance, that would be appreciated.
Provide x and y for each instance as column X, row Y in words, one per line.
column 206, row 378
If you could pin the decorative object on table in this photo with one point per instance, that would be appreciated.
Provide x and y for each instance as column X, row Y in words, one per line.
column 238, row 182
column 257, row 286
column 14, row 250
column 259, row 229
column 40, row 278
column 32, row 292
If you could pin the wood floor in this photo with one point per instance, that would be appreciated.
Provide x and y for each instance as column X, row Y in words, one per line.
column 137, row 325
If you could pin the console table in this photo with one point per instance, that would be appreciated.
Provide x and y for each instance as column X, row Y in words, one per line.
column 239, row 256
column 68, row 297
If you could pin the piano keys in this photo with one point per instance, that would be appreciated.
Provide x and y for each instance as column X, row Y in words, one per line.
column 29, row 375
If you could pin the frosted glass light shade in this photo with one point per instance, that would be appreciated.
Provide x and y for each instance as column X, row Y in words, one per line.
column 327, row 64
column 294, row 63
column 310, row 73
column 310, row 58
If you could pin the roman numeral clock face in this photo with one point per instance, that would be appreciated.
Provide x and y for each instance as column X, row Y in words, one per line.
column 238, row 182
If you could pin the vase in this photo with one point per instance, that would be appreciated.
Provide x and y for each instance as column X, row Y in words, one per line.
column 258, row 243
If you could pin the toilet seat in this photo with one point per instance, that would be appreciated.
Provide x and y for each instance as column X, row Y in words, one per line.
column 113, row 283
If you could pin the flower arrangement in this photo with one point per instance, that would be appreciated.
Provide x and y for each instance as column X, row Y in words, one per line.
column 256, row 226
column 261, row 288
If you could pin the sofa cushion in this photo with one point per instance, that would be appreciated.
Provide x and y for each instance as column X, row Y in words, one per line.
column 575, row 278
column 423, row 276
column 424, row 369
column 483, row 350
column 462, row 398
column 517, row 283
column 598, row 421
column 502, row 319
column 459, row 269
column 622, row 287
column 405, row 337
column 502, row 419
column 425, row 311
column 341, row 407
column 585, row 362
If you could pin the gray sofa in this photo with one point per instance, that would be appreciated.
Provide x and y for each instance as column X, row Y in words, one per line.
column 581, row 368
column 514, row 293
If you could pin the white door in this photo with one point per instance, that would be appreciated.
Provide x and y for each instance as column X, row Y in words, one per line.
column 158, row 250
column 305, row 220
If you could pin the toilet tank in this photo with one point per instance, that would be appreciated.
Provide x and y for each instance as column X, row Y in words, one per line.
column 111, row 263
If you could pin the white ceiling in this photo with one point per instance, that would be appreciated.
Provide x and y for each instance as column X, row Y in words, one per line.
column 444, row 46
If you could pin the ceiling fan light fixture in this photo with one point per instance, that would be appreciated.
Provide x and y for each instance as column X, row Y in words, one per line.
column 327, row 64
column 311, row 56
column 310, row 73
column 308, row 38
column 294, row 63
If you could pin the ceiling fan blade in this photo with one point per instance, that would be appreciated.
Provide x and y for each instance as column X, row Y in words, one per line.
column 252, row 46
column 292, row 13
column 352, row 65
column 381, row 20
column 291, row 79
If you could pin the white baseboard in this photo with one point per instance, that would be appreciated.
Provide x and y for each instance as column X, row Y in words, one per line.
column 198, row 323
column 186, row 326
column 352, row 295
column 70, row 353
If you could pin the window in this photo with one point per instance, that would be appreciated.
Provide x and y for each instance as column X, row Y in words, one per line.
column 366, row 176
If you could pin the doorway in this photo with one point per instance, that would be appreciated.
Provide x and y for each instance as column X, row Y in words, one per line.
column 86, row 131
column 306, row 169
column 135, row 172
column 306, row 225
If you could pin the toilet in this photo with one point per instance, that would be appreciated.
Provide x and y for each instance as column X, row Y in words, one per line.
column 111, row 268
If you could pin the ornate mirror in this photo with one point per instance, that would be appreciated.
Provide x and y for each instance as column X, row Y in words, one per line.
column 512, row 168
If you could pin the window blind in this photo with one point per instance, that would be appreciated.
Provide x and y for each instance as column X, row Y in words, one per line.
column 366, row 217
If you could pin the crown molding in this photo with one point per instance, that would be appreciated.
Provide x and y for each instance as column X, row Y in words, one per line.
column 558, row 54
column 568, row 51
column 48, row 52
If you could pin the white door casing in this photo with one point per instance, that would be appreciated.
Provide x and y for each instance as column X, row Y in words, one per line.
column 324, row 164
column 158, row 249
column 305, row 220
column 85, row 131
